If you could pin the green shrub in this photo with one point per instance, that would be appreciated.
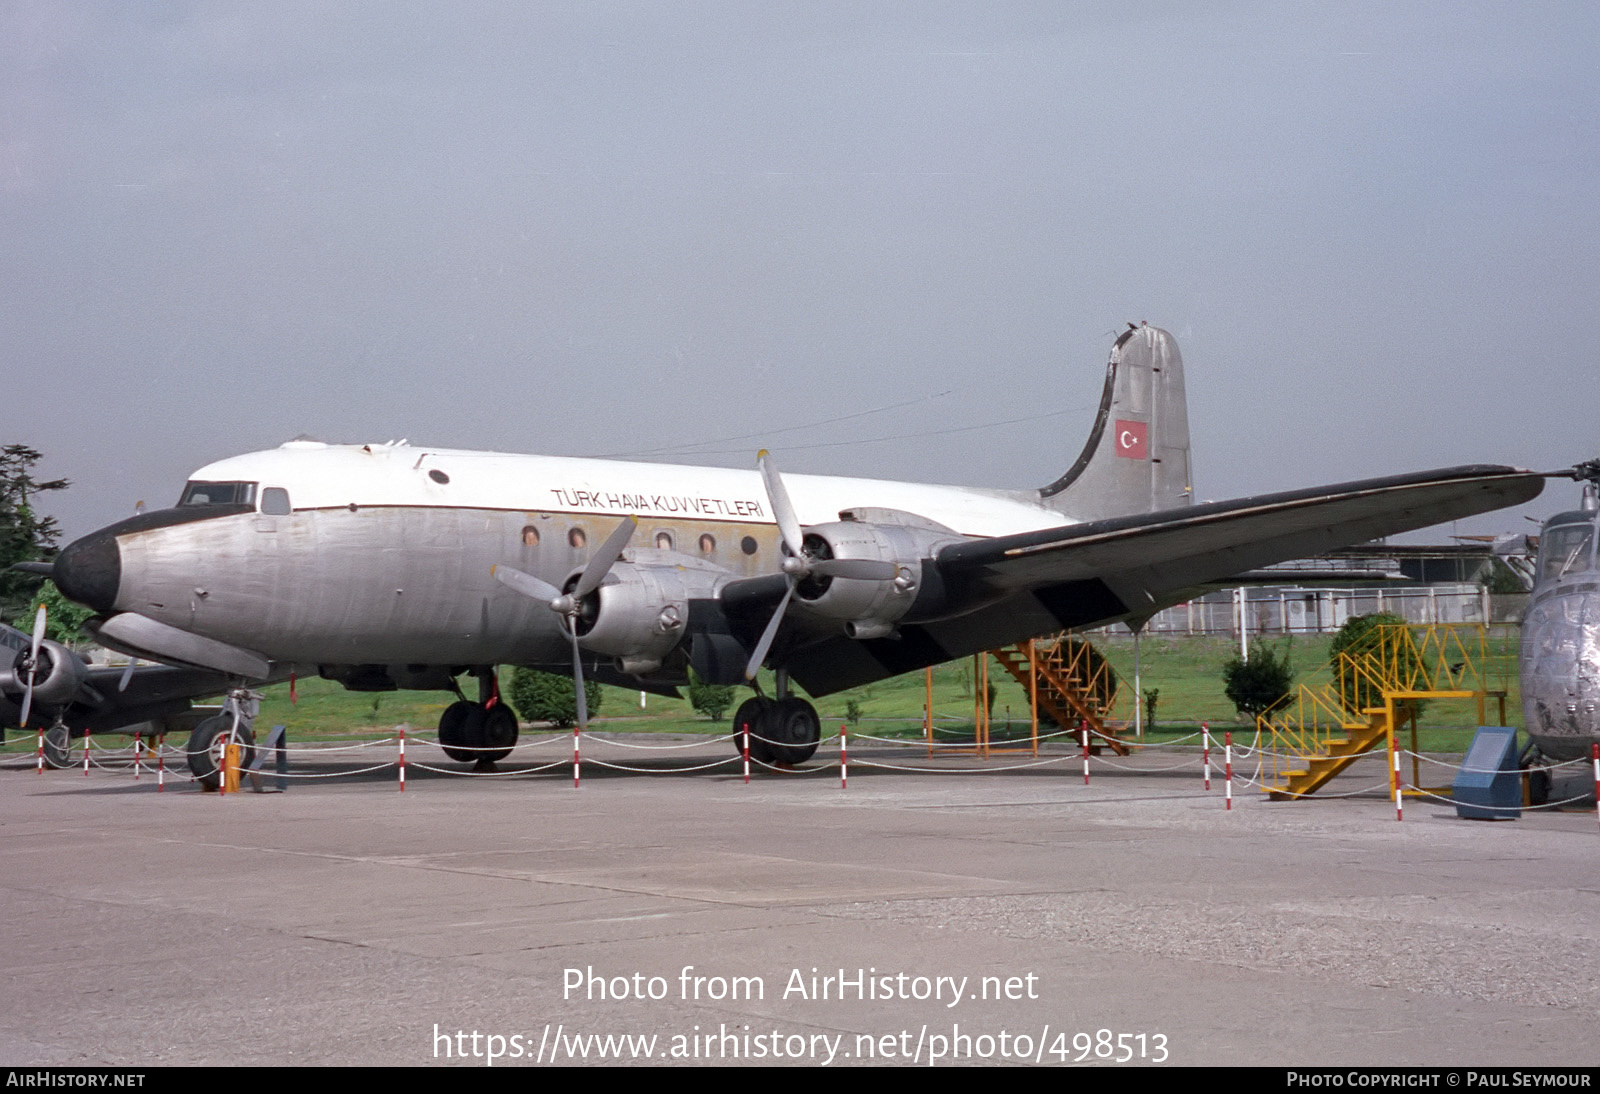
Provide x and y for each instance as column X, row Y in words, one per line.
column 712, row 700
column 1254, row 685
column 546, row 697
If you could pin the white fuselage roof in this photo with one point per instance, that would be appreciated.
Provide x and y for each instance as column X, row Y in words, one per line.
column 323, row 476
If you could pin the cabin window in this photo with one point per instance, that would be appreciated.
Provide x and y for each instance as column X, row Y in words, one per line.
column 1567, row 549
column 530, row 536
column 708, row 543
column 577, row 537
column 439, row 477
column 664, row 541
column 748, row 545
column 218, row 493
column 275, row 502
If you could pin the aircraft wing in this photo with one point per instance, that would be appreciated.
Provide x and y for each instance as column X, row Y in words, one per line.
column 1035, row 583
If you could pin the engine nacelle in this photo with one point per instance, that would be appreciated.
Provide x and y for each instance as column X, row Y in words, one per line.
column 871, row 608
column 60, row 673
column 641, row 612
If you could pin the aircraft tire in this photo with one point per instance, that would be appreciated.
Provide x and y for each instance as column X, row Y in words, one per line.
column 58, row 748
column 205, row 747
column 797, row 727
column 498, row 733
column 461, row 731
column 757, row 714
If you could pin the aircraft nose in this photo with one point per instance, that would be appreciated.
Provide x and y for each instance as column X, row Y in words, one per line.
column 89, row 570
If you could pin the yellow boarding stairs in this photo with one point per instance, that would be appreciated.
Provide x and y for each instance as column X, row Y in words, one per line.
column 1317, row 732
column 1072, row 681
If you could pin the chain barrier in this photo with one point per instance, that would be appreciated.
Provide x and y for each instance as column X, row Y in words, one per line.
column 150, row 756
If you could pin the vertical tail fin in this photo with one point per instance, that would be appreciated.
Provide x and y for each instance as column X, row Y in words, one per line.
column 1137, row 456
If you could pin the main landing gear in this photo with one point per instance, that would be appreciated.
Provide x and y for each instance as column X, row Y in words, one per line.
column 469, row 733
column 782, row 731
column 483, row 732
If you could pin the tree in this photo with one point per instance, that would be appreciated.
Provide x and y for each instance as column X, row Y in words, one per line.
column 1254, row 685
column 24, row 535
column 712, row 700
column 546, row 697
column 1501, row 579
column 66, row 617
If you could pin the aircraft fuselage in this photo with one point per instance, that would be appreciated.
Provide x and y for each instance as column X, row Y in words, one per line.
column 338, row 554
column 1560, row 659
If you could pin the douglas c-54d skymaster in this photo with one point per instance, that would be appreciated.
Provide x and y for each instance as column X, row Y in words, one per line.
column 385, row 566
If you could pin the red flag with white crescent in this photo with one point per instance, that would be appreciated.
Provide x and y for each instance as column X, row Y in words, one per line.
column 1131, row 440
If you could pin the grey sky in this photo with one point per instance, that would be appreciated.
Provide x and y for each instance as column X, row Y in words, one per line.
column 616, row 228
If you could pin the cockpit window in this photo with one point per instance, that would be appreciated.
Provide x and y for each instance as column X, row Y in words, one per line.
column 1566, row 549
column 218, row 493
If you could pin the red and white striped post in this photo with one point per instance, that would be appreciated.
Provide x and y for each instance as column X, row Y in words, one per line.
column 138, row 744
column 1227, row 755
column 844, row 757
column 87, row 737
column 1205, row 751
column 1083, row 725
column 161, row 763
column 41, row 750
column 575, row 757
column 1594, row 750
column 1394, row 751
column 745, row 751
column 402, row 759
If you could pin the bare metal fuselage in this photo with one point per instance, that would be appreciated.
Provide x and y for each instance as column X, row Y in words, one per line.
column 390, row 585
column 1560, row 658
column 1561, row 668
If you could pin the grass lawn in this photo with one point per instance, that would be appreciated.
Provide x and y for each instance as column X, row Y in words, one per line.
column 1188, row 672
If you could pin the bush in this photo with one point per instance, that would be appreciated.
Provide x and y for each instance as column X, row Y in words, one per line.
column 1361, row 635
column 1254, row 685
column 712, row 700
column 546, row 697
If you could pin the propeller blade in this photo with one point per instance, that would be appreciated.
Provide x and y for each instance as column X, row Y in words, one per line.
column 577, row 683
column 39, row 622
column 778, row 498
column 760, row 653
column 526, row 584
column 861, row 569
column 602, row 561
column 127, row 674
